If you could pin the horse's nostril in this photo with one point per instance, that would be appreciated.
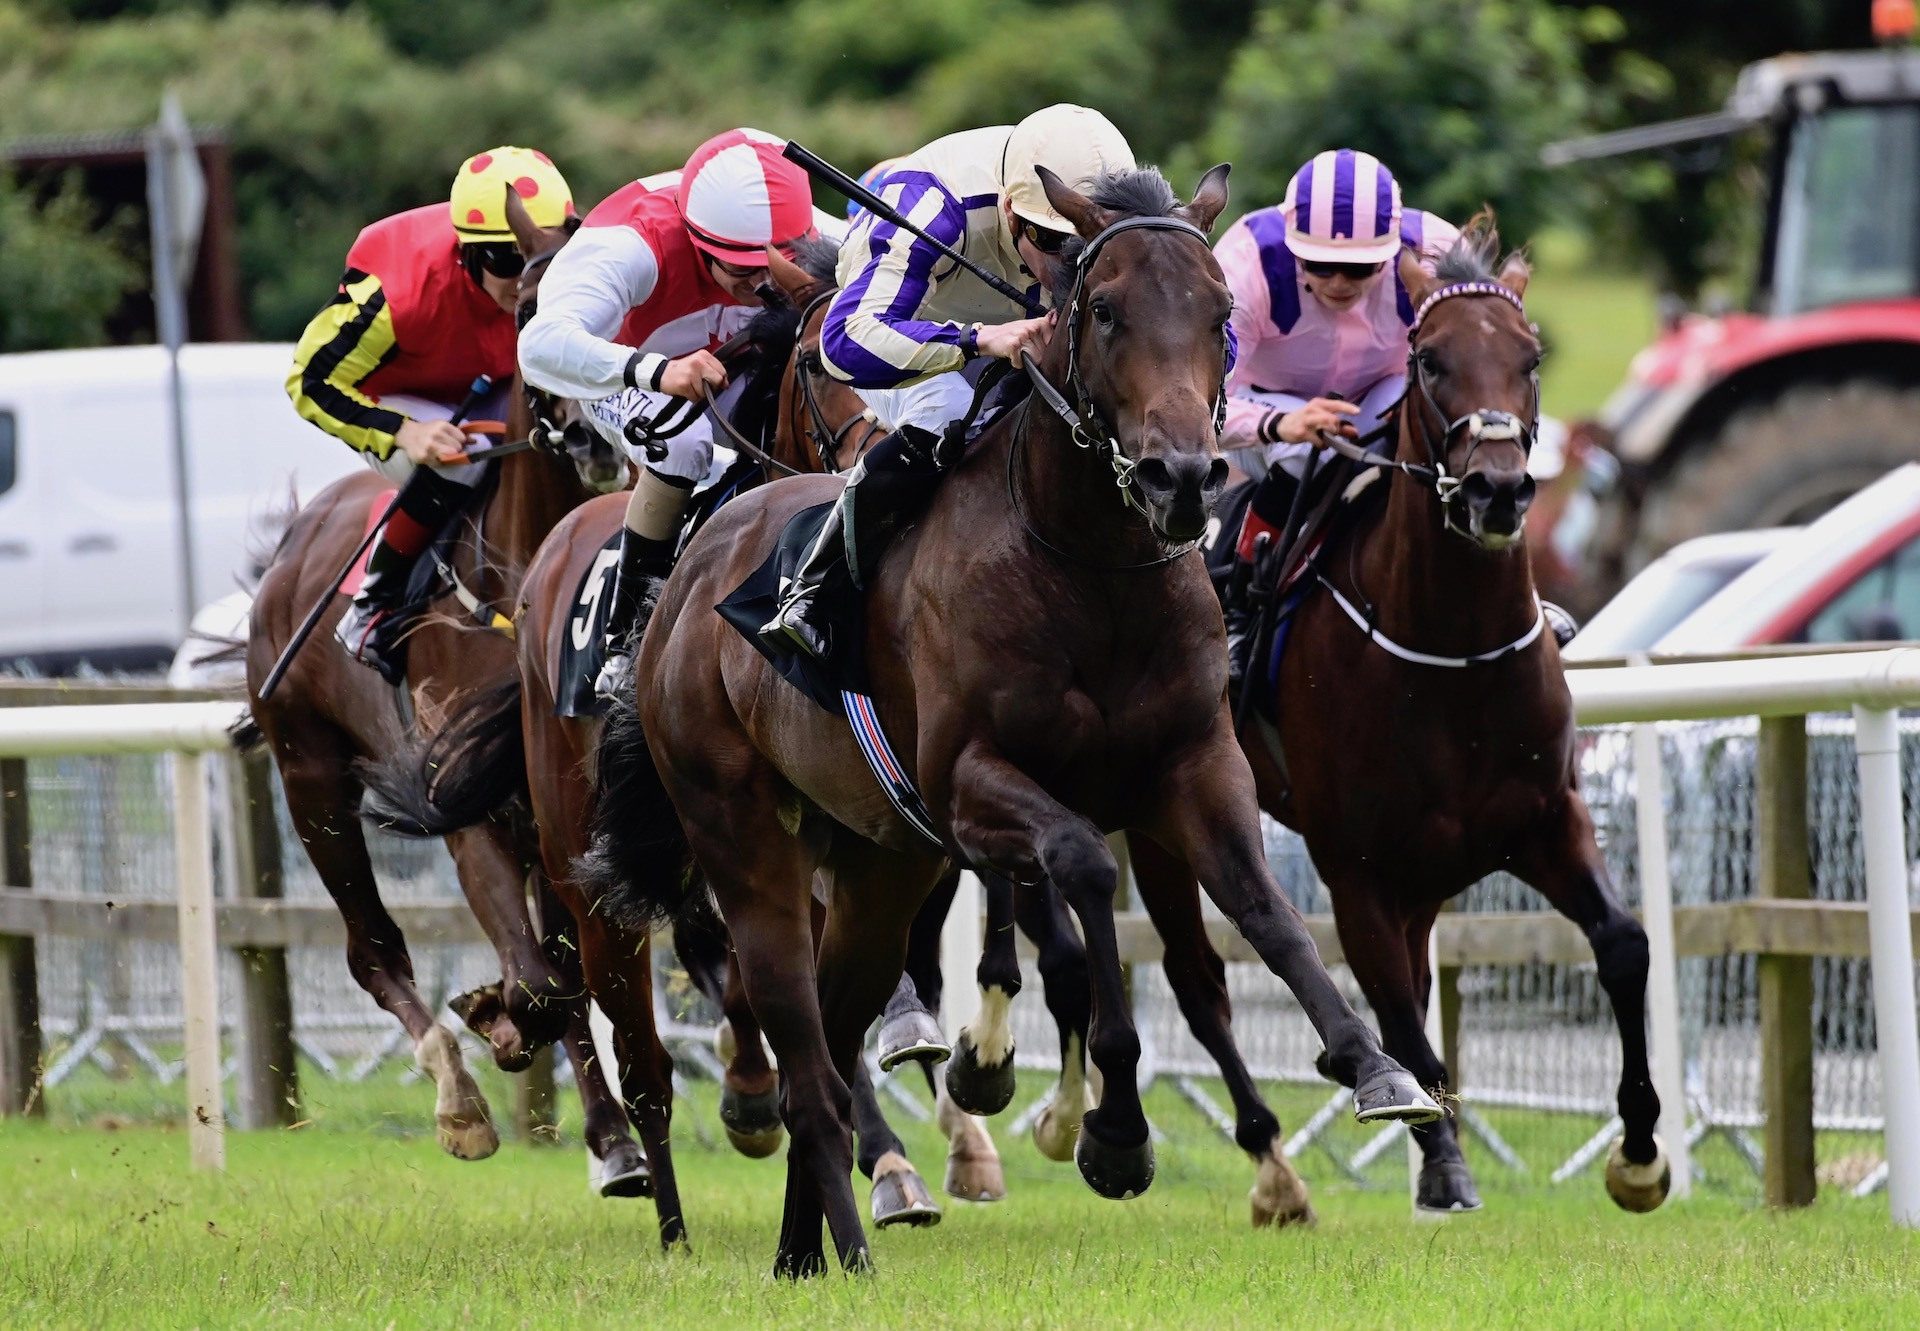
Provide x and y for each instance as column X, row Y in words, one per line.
column 1152, row 473
column 1478, row 490
column 1217, row 473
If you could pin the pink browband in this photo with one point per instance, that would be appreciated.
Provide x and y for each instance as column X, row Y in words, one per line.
column 1464, row 289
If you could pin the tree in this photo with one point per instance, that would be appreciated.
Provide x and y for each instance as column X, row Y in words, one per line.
column 63, row 272
column 1456, row 96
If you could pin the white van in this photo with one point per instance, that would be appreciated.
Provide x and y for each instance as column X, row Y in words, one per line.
column 89, row 543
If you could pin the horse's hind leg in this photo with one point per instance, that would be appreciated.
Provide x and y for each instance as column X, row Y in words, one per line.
column 620, row 1168
column 1042, row 917
column 1566, row 866
column 534, row 998
column 908, row 1028
column 749, row 1093
column 324, row 798
column 1198, row 978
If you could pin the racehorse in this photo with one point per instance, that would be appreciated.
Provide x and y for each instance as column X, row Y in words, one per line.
column 1050, row 653
column 331, row 712
column 1423, row 735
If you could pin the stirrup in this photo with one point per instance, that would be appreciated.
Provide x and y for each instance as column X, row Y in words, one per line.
column 616, row 672
column 369, row 633
column 791, row 631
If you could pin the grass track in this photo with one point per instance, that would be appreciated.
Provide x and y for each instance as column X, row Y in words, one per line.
column 333, row 1227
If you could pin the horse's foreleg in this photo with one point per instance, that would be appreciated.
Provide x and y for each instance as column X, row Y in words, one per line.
column 316, row 773
column 1042, row 916
column 1207, row 816
column 1198, row 978
column 1566, row 866
column 1002, row 819
column 535, row 997
column 980, row 1076
column 900, row 1195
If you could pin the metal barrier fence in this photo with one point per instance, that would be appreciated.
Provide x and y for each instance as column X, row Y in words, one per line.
column 1530, row 1035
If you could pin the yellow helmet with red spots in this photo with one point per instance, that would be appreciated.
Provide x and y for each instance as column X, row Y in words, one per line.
column 478, row 203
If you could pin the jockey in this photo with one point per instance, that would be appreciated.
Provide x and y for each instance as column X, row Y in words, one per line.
column 907, row 319
column 628, row 314
column 1320, row 321
column 424, row 308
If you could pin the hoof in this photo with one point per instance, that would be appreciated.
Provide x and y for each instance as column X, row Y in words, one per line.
column 478, row 1008
column 978, row 1090
column 913, row 1035
column 757, row 1145
column 1393, row 1096
column 1279, row 1195
column 1446, row 1188
column 1638, row 1188
column 467, row 1137
column 624, row 1172
column 752, row 1122
column 900, row 1195
column 1056, row 1133
column 1117, row 1173
column 975, row 1178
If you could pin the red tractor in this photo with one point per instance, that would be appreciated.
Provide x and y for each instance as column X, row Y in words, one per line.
column 1772, row 415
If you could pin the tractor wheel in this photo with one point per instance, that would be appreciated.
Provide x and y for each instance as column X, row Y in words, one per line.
column 1784, row 463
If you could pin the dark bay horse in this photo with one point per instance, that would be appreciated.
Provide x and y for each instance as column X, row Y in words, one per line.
column 1411, row 779
column 331, row 713
column 1053, row 661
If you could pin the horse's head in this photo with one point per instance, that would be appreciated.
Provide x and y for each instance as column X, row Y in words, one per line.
column 1473, row 390
column 1144, row 325
column 823, row 424
column 556, row 425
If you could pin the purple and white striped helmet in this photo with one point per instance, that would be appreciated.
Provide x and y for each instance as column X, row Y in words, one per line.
column 1343, row 207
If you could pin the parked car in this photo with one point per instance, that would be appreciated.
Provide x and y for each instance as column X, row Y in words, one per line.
column 1670, row 589
column 1851, row 576
column 89, row 537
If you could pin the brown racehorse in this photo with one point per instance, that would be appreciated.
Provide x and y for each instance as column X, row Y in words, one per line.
column 1054, row 669
column 1413, row 779
column 331, row 712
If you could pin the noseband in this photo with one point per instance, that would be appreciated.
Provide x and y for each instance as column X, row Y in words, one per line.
column 1082, row 418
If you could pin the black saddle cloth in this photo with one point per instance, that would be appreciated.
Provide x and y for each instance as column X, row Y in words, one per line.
column 754, row 601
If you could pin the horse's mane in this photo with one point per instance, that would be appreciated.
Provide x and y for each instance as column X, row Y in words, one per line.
column 1475, row 255
column 818, row 256
column 1140, row 192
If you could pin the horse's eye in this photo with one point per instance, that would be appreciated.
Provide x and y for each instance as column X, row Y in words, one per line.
column 1103, row 314
column 1429, row 363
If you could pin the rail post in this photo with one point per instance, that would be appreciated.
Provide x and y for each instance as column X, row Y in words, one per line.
column 1782, row 871
column 1663, row 972
column 19, row 972
column 269, row 1080
column 1883, row 838
column 199, row 962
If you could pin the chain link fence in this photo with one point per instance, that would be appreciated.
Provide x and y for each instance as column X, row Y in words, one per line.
column 1539, row 1054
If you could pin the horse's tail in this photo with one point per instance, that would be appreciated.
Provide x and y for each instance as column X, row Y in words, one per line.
column 457, row 776
column 638, row 870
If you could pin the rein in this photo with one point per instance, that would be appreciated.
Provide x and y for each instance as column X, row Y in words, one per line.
column 827, row 440
column 1075, row 407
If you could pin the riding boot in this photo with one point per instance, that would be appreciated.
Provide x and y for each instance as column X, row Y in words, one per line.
column 886, row 489
column 644, row 565
column 1243, row 621
column 373, row 628
column 1563, row 624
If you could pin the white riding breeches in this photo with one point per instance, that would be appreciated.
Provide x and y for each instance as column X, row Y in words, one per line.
column 930, row 404
column 1292, row 458
column 689, row 453
column 397, row 466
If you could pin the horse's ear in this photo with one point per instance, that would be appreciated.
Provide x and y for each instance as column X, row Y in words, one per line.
column 1209, row 198
column 1414, row 276
column 1088, row 217
column 526, row 232
column 789, row 276
column 1515, row 272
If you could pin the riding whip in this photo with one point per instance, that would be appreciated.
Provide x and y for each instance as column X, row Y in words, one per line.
column 834, row 178
column 480, row 387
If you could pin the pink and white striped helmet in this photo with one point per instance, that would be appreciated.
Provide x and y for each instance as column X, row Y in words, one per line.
column 738, row 195
column 1343, row 207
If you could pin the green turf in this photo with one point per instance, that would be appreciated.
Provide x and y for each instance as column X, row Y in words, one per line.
column 1592, row 322
column 356, row 1220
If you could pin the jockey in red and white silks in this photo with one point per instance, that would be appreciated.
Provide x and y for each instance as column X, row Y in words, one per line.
column 660, row 274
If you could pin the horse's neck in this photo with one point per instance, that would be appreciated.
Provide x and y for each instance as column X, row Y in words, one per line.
column 1433, row 589
column 534, row 491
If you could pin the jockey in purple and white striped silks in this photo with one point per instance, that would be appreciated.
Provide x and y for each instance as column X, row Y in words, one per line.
column 1304, row 328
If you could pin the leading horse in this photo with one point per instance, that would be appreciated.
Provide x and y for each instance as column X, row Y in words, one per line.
column 1051, row 656
column 330, row 714
column 1422, row 734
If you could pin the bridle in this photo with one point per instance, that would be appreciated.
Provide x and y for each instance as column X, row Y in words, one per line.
column 828, row 439
column 1082, row 418
column 1482, row 426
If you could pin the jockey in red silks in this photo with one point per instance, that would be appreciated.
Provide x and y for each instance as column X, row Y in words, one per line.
column 424, row 308
column 630, row 312
column 1320, row 322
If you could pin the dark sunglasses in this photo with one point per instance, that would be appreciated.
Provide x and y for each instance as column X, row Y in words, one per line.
column 1045, row 238
column 1356, row 272
column 501, row 258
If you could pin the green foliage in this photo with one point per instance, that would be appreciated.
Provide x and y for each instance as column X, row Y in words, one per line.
column 1456, row 96
column 62, row 272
